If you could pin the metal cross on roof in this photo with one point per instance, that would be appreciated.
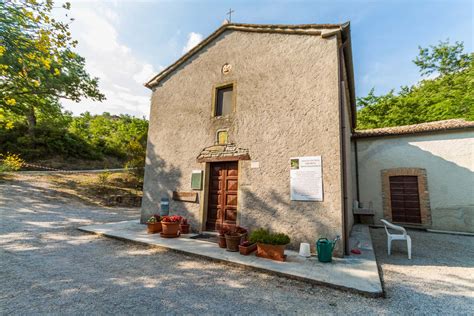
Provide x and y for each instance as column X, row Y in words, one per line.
column 230, row 14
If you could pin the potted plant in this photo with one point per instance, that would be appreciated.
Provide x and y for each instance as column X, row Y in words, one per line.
column 247, row 247
column 270, row 245
column 154, row 224
column 234, row 237
column 170, row 225
column 221, row 237
column 184, row 226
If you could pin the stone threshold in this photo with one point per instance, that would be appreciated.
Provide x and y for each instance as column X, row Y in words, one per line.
column 355, row 273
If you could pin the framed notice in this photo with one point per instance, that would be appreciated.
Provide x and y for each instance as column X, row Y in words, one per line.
column 306, row 178
column 196, row 180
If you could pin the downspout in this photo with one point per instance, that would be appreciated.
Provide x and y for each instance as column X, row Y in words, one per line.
column 343, row 152
column 356, row 157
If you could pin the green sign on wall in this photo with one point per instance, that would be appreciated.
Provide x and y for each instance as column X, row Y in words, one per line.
column 196, row 180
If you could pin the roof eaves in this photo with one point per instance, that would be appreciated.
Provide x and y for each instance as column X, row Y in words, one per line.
column 422, row 128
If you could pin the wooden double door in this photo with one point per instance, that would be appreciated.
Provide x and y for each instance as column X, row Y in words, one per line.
column 405, row 199
column 222, row 198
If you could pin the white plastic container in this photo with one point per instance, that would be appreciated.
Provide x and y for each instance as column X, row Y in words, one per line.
column 304, row 250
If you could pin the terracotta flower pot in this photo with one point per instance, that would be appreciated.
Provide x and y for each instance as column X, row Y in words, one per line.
column 232, row 242
column 246, row 250
column 184, row 229
column 154, row 228
column 221, row 240
column 170, row 229
column 274, row 252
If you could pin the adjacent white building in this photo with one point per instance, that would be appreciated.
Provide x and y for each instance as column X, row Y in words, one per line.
column 419, row 175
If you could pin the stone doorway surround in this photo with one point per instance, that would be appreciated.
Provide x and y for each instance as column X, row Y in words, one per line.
column 218, row 153
column 425, row 209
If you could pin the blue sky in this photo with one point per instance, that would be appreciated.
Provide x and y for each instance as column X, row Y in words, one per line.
column 126, row 42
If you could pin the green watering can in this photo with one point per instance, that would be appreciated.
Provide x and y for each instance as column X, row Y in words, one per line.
column 325, row 248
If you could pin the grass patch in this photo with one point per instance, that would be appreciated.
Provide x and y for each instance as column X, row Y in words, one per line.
column 112, row 189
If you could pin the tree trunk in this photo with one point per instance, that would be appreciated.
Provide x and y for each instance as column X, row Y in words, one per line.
column 31, row 117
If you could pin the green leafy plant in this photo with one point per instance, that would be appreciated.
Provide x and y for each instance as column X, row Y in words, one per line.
column 264, row 236
column 154, row 219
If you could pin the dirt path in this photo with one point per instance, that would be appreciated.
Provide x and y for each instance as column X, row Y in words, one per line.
column 48, row 266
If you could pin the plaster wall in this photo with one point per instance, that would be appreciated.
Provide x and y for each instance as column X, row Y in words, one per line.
column 448, row 158
column 287, row 105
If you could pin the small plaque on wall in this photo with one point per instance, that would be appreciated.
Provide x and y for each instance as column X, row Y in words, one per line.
column 196, row 180
column 185, row 196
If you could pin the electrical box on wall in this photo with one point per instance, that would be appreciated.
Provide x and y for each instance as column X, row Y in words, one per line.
column 196, row 180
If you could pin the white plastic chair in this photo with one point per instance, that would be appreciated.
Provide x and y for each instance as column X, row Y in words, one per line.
column 391, row 237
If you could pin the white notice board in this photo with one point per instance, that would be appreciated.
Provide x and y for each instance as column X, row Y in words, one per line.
column 306, row 178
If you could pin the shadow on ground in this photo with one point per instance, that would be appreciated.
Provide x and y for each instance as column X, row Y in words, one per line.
column 47, row 266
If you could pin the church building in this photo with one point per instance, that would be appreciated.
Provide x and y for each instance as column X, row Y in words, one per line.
column 254, row 127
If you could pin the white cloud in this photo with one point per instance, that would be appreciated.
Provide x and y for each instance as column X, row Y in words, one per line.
column 193, row 40
column 145, row 74
column 121, row 73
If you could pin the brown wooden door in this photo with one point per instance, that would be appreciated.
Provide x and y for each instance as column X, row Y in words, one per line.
column 405, row 199
column 222, row 200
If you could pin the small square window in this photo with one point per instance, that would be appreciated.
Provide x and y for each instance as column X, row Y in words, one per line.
column 224, row 100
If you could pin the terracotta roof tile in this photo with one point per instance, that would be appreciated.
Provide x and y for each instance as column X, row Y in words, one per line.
column 415, row 129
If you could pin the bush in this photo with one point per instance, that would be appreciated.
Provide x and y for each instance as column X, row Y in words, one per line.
column 103, row 178
column 10, row 162
column 264, row 236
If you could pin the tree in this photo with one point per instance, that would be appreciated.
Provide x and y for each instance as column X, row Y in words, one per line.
column 37, row 63
column 442, row 59
column 449, row 95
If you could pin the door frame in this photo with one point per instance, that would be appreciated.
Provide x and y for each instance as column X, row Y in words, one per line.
column 205, row 192
column 423, row 194
column 401, row 196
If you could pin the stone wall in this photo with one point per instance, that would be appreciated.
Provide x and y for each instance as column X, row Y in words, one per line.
column 287, row 105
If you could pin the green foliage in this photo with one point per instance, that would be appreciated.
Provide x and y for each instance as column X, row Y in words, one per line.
column 264, row 236
column 103, row 178
column 37, row 63
column 87, row 137
column 443, row 58
column 449, row 95
column 136, row 154
column 10, row 162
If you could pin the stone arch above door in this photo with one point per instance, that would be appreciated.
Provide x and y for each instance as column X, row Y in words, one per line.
column 420, row 173
column 225, row 152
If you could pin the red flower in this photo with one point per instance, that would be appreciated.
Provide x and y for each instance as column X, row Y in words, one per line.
column 171, row 219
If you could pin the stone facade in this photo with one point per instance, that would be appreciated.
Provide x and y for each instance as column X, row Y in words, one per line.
column 287, row 104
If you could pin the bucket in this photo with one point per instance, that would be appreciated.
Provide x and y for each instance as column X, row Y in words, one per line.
column 304, row 250
column 325, row 248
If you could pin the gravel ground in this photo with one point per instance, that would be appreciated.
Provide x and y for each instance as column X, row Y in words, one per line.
column 47, row 266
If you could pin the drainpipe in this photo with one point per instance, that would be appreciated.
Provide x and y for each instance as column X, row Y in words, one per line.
column 343, row 152
column 356, row 157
